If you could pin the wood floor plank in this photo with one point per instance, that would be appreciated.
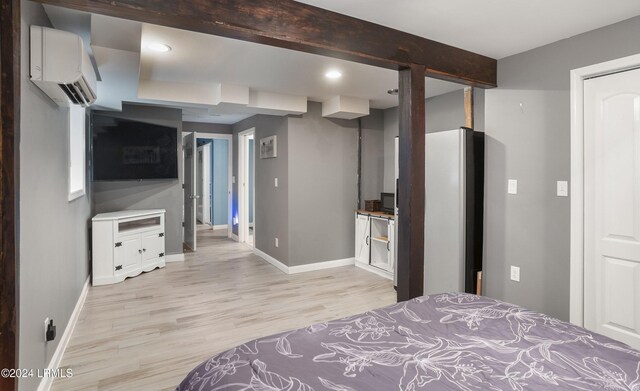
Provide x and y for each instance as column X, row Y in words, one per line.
column 148, row 332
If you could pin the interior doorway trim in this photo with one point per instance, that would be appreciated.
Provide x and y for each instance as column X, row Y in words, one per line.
column 578, row 76
column 229, row 138
column 243, row 172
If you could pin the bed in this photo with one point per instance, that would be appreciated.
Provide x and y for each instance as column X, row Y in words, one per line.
column 450, row 341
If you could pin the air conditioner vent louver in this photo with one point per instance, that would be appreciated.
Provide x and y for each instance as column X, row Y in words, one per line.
column 71, row 93
column 61, row 67
column 77, row 93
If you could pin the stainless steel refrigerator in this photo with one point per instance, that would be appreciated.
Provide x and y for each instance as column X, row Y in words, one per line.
column 454, row 181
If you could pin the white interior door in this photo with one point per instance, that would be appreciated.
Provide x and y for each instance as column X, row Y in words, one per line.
column 612, row 206
column 190, row 194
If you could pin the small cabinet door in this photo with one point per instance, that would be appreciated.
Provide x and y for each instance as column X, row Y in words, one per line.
column 362, row 238
column 391, row 246
column 152, row 247
column 128, row 254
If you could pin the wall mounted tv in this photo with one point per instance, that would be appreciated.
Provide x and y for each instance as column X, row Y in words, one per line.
column 123, row 149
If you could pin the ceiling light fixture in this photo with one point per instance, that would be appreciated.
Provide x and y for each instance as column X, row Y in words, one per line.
column 160, row 47
column 393, row 91
column 333, row 75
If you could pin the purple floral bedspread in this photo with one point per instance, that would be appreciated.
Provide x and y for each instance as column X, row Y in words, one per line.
column 442, row 342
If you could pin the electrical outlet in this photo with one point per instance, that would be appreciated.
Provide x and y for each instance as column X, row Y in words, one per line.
column 46, row 325
column 276, row 242
column 512, row 187
column 563, row 189
column 515, row 273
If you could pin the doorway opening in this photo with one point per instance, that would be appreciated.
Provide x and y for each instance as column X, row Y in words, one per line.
column 207, row 190
column 246, row 186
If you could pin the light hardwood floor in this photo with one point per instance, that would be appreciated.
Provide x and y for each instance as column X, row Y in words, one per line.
column 148, row 332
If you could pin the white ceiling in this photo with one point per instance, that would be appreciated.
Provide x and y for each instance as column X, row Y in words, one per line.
column 495, row 28
column 199, row 57
column 120, row 49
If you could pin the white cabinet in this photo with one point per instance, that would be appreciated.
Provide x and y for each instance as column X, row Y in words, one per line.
column 375, row 243
column 362, row 238
column 126, row 244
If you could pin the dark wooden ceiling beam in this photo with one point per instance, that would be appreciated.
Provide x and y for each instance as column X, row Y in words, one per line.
column 292, row 25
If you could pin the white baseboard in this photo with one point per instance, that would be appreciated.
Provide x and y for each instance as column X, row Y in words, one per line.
column 221, row 226
column 284, row 268
column 234, row 237
column 174, row 257
column 56, row 359
column 321, row 265
column 303, row 268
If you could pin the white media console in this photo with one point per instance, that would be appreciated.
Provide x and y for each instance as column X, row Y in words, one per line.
column 127, row 243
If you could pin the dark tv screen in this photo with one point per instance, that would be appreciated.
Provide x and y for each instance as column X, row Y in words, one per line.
column 123, row 149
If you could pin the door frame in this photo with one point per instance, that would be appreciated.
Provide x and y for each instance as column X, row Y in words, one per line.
column 243, row 172
column 229, row 138
column 578, row 76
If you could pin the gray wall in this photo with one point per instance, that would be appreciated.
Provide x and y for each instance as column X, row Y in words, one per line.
column 372, row 155
column 391, row 130
column 206, row 128
column 323, row 155
column 53, row 233
column 317, row 190
column 148, row 194
column 443, row 112
column 272, row 212
column 532, row 144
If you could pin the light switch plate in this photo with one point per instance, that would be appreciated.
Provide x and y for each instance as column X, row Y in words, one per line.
column 515, row 273
column 512, row 187
column 277, row 242
column 563, row 189
column 275, row 182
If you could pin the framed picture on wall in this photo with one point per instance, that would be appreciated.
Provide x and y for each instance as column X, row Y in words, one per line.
column 268, row 147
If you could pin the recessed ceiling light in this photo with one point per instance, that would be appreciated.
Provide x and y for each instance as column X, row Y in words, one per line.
column 159, row 47
column 333, row 74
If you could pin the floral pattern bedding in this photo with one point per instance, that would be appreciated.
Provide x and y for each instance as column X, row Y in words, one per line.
column 450, row 341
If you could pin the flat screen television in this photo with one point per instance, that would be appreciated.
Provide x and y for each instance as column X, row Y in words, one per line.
column 123, row 149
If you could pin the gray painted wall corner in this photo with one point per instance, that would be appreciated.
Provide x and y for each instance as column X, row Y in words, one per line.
column 323, row 187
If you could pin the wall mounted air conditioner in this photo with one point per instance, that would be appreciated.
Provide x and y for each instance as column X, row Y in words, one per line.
column 61, row 67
